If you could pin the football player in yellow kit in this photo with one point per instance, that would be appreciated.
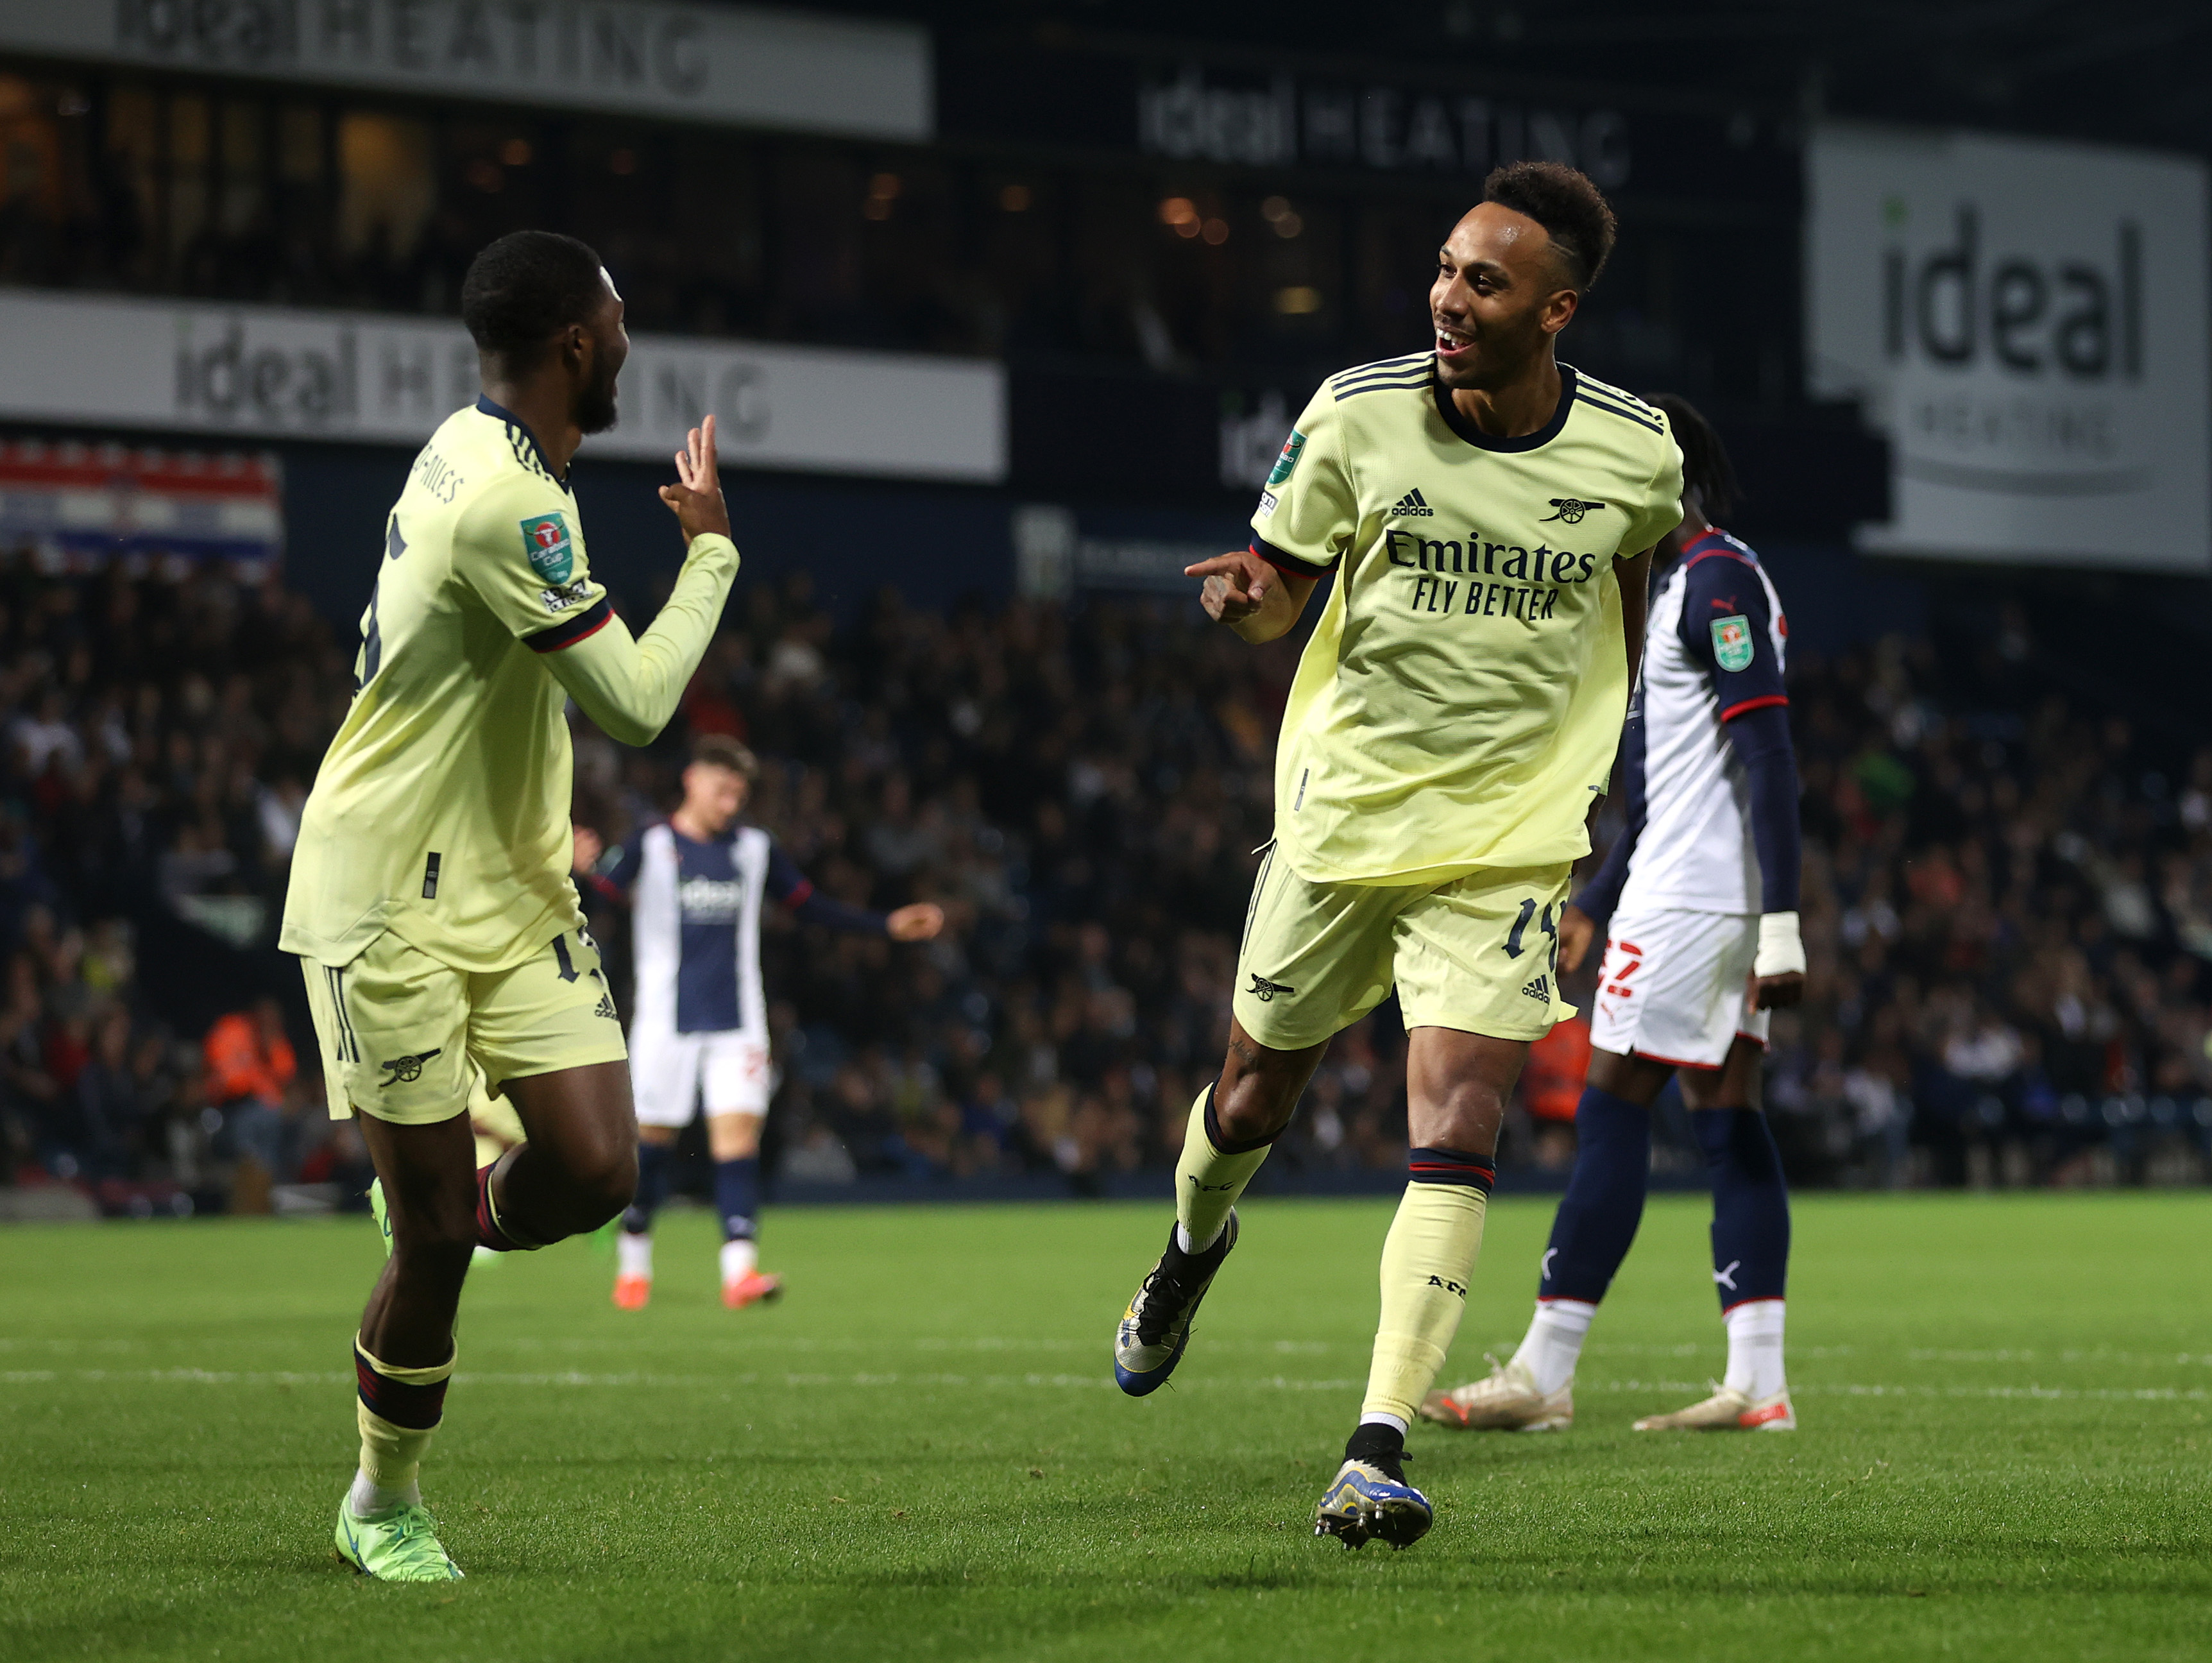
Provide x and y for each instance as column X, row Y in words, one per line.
column 430, row 901
column 1488, row 513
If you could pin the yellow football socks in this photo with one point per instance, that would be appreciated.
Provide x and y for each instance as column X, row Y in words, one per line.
column 409, row 1403
column 1428, row 1260
column 1208, row 1181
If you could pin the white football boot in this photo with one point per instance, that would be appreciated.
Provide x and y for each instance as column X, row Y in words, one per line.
column 1727, row 1410
column 1507, row 1401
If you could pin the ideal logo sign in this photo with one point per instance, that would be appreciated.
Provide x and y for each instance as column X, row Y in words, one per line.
column 1391, row 128
column 1961, row 299
column 2027, row 322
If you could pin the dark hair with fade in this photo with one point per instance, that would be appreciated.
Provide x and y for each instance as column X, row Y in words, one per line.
column 720, row 750
column 1564, row 203
column 1706, row 469
column 524, row 289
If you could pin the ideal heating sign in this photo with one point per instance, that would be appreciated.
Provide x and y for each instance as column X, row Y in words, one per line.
column 2026, row 322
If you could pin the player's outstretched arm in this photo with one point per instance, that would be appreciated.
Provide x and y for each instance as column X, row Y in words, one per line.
column 630, row 685
column 919, row 922
column 1250, row 596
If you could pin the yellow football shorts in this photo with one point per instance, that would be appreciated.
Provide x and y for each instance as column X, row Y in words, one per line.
column 1478, row 953
column 404, row 1036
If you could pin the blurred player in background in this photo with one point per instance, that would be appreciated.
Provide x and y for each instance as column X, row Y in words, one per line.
column 1490, row 513
column 1698, row 899
column 698, row 1025
column 430, row 899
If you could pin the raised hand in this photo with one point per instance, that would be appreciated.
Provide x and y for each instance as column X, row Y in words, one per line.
column 1236, row 585
column 696, row 498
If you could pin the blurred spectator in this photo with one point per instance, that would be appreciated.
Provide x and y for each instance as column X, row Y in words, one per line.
column 1551, row 1086
column 2007, row 905
column 250, row 1067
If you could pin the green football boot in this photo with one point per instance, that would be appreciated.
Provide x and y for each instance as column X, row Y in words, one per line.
column 400, row 1546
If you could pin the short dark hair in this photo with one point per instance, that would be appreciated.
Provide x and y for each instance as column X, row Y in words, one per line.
column 720, row 750
column 524, row 288
column 1564, row 203
column 1706, row 469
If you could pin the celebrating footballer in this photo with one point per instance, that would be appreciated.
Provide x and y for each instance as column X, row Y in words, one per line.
column 430, row 903
column 1489, row 515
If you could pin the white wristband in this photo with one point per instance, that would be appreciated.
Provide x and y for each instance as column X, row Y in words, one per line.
column 1781, row 950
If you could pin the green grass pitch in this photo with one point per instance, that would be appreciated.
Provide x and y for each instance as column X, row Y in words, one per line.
column 920, row 1454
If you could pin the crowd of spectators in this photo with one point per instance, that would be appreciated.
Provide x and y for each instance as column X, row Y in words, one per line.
column 2007, row 900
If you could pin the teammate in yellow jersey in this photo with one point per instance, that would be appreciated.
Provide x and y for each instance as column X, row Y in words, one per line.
column 1489, row 515
column 430, row 899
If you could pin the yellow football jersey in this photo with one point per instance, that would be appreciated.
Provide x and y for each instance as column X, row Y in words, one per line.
column 1460, row 699
column 440, row 812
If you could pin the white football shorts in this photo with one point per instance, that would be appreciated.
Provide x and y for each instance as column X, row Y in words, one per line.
column 1675, row 986
column 669, row 1072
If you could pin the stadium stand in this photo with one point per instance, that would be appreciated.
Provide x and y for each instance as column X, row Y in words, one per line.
column 2009, row 917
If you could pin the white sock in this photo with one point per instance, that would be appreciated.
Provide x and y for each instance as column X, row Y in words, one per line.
column 1754, row 1336
column 1379, row 1419
column 1183, row 1241
column 368, row 1499
column 738, row 1259
column 634, row 1254
column 1553, row 1344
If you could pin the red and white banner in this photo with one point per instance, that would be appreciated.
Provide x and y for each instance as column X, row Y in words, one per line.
column 76, row 506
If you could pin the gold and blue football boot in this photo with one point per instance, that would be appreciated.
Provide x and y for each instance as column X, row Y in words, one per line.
column 1369, row 1500
column 1155, row 1327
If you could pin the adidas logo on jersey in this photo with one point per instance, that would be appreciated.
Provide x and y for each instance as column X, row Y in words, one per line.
column 1413, row 506
column 1538, row 989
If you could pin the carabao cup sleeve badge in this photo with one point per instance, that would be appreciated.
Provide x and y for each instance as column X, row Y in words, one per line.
column 1288, row 461
column 1732, row 643
column 545, row 540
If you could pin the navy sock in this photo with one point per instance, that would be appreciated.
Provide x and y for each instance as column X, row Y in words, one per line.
column 652, row 1160
column 737, row 1197
column 1751, row 1204
column 1604, row 1202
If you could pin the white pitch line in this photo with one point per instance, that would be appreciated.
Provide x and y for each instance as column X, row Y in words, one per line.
column 573, row 1379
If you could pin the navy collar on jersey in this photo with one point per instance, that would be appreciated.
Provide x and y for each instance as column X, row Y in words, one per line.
column 500, row 412
column 1458, row 422
column 1711, row 541
column 728, row 837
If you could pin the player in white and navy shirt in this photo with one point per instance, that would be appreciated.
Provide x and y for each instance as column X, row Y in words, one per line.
column 1698, row 901
column 695, row 884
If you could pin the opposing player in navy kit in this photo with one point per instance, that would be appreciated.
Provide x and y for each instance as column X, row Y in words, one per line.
column 1698, row 901
column 695, row 884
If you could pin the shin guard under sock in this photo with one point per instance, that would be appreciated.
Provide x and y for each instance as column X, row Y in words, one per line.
column 1428, row 1259
column 398, row 1411
column 653, row 1164
column 1596, row 1222
column 1211, row 1175
column 737, row 1197
column 492, row 1231
column 1751, row 1204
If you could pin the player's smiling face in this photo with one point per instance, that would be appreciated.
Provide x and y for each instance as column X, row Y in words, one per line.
column 1497, row 298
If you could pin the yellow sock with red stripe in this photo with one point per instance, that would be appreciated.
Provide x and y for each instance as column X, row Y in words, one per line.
column 1428, row 1259
column 397, row 1410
